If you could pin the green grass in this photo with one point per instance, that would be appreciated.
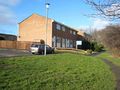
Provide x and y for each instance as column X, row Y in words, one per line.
column 108, row 56
column 55, row 72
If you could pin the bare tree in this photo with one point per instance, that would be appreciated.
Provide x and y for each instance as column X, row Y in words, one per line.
column 94, row 33
column 96, row 36
column 106, row 8
column 110, row 37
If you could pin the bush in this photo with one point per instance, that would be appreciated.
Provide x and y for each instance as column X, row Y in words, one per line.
column 98, row 47
column 94, row 46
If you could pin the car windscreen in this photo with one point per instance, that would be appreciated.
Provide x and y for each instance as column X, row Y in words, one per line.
column 33, row 45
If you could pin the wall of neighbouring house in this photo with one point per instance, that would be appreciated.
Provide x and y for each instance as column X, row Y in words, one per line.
column 34, row 29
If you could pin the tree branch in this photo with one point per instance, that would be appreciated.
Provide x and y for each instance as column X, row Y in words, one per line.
column 107, row 8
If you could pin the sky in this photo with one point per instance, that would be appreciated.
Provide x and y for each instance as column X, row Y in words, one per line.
column 70, row 12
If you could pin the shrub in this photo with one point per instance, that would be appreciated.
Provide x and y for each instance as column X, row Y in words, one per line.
column 96, row 47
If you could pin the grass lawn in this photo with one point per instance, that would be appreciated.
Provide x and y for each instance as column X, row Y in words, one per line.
column 55, row 72
column 106, row 55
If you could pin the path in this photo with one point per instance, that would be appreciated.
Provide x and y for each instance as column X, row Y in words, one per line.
column 116, row 70
column 13, row 52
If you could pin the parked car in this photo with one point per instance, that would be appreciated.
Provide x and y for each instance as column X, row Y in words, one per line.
column 39, row 49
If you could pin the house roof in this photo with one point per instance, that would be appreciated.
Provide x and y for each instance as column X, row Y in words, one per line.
column 3, row 34
column 66, row 25
column 32, row 15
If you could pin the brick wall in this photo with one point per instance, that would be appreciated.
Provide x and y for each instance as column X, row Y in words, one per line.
column 34, row 29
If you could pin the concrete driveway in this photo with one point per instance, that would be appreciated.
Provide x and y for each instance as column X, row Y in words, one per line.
column 13, row 52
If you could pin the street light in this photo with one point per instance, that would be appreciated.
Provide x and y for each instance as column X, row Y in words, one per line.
column 47, row 8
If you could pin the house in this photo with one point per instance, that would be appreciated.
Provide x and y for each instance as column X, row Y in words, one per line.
column 8, row 37
column 85, row 36
column 59, row 35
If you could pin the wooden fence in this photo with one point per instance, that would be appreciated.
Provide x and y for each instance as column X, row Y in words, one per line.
column 22, row 45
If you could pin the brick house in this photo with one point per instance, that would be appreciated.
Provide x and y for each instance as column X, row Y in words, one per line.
column 59, row 35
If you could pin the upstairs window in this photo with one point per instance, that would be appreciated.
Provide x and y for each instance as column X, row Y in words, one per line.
column 74, row 33
column 63, row 28
column 70, row 31
column 58, row 27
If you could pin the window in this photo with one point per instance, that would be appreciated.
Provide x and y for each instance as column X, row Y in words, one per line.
column 70, row 31
column 54, row 41
column 34, row 45
column 67, row 43
column 74, row 33
column 63, row 43
column 58, row 27
column 58, row 42
column 71, row 44
column 63, row 28
column 74, row 43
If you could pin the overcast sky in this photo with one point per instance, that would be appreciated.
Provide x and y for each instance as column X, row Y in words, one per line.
column 70, row 12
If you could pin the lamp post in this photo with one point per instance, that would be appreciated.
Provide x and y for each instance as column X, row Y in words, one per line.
column 46, row 27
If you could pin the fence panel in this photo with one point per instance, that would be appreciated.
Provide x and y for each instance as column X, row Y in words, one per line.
column 10, row 44
column 24, row 45
column 3, row 44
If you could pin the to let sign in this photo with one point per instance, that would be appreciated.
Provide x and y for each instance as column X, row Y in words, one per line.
column 78, row 42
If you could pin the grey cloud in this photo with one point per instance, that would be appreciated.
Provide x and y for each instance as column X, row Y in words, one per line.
column 4, row 20
column 9, row 2
column 7, row 16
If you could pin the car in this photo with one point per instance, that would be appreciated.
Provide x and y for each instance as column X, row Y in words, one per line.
column 40, row 48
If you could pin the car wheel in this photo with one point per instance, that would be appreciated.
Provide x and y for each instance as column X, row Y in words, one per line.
column 33, row 53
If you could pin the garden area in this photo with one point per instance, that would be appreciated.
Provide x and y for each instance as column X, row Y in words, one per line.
column 62, row 71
